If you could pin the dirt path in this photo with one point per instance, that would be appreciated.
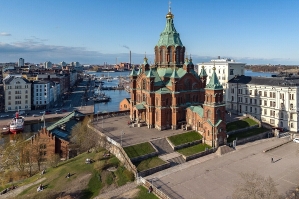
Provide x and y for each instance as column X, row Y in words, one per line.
column 15, row 192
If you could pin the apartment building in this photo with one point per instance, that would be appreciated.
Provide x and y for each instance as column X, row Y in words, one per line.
column 17, row 93
column 226, row 69
column 272, row 100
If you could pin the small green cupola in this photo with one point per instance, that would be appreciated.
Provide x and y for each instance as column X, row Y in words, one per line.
column 169, row 36
column 133, row 72
column 203, row 72
column 214, row 83
column 145, row 65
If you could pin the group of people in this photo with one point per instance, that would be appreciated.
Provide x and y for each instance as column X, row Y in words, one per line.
column 8, row 189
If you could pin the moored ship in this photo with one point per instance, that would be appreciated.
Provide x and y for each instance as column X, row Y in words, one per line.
column 17, row 124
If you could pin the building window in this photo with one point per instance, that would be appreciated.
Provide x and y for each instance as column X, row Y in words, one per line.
column 265, row 111
column 271, row 121
column 231, row 72
column 246, row 108
column 143, row 84
column 291, row 106
column 232, row 98
column 250, row 92
column 265, row 94
column 281, row 115
column 232, row 90
column 292, row 126
column 291, row 116
column 255, row 101
column 265, row 102
column 260, row 93
column 250, row 101
column 246, row 100
column 250, row 109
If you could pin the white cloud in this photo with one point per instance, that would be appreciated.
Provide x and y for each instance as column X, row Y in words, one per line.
column 5, row 34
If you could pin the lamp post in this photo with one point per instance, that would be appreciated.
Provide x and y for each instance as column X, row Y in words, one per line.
column 121, row 137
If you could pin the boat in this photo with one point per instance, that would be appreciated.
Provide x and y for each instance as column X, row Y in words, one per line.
column 101, row 99
column 5, row 131
column 17, row 124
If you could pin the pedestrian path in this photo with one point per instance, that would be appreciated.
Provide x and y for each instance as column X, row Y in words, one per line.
column 117, row 192
column 162, row 146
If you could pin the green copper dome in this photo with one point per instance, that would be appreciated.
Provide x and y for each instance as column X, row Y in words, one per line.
column 169, row 37
column 203, row 72
column 214, row 83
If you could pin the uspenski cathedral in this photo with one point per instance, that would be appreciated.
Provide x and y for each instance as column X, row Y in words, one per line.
column 171, row 95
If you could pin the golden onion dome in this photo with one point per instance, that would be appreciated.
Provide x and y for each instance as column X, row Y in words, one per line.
column 169, row 15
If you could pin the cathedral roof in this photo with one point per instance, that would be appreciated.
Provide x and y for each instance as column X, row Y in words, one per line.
column 197, row 109
column 174, row 74
column 169, row 36
column 133, row 72
column 214, row 83
column 150, row 73
column 163, row 90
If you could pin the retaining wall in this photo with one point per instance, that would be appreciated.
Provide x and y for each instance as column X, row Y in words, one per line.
column 154, row 170
column 197, row 155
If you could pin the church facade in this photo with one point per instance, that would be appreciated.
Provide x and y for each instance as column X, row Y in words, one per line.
column 170, row 93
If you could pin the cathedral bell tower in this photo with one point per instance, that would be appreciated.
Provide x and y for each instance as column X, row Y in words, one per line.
column 214, row 113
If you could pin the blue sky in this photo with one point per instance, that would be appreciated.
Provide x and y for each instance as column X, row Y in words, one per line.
column 98, row 31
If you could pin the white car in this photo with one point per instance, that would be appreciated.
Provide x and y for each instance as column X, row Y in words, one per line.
column 296, row 140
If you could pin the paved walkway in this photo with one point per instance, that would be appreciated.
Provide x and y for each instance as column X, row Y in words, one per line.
column 18, row 190
column 216, row 177
column 118, row 192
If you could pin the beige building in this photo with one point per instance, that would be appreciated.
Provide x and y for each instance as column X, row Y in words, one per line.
column 273, row 100
column 17, row 93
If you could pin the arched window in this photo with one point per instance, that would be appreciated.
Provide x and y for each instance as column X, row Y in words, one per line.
column 170, row 55
column 163, row 55
column 218, row 114
column 208, row 114
column 177, row 55
column 144, row 84
column 157, row 101
column 208, row 132
column 166, row 101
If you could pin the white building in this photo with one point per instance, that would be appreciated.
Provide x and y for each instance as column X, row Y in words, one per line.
column 48, row 64
column 226, row 69
column 272, row 100
column 17, row 92
column 21, row 62
column 42, row 95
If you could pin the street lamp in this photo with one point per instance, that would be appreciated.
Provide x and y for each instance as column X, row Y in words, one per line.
column 121, row 137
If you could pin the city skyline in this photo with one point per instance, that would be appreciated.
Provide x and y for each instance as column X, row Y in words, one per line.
column 94, row 32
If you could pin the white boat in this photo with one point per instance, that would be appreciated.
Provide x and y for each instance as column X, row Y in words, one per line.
column 17, row 124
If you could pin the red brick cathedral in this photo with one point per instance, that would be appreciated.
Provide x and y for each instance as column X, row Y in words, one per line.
column 170, row 93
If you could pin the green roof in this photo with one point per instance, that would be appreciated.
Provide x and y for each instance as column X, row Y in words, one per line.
column 133, row 72
column 219, row 121
column 169, row 36
column 214, row 83
column 150, row 73
column 197, row 109
column 174, row 74
column 139, row 71
column 163, row 91
column 203, row 72
column 140, row 106
column 65, row 119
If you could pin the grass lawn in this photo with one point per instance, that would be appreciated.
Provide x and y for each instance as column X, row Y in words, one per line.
column 139, row 149
column 193, row 149
column 143, row 194
column 87, row 180
column 240, row 124
column 185, row 138
column 149, row 163
column 246, row 134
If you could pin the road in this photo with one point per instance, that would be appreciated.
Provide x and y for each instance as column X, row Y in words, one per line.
column 77, row 99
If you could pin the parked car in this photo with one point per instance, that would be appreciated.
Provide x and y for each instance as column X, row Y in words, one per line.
column 64, row 110
column 296, row 140
column 45, row 112
column 35, row 115
column 4, row 116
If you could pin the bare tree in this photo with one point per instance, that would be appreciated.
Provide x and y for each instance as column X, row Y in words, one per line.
column 254, row 186
column 84, row 137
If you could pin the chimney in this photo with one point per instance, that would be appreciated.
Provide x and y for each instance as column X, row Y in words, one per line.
column 130, row 59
